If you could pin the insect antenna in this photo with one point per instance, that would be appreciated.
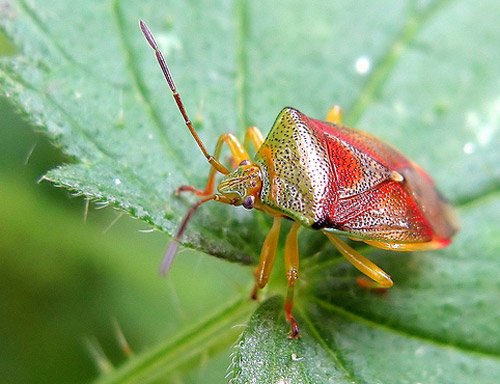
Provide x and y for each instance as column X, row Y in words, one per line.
column 172, row 248
column 177, row 97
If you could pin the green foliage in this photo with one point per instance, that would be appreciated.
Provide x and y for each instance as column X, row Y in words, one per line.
column 421, row 75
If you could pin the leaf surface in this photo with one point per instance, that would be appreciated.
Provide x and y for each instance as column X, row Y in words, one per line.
column 421, row 75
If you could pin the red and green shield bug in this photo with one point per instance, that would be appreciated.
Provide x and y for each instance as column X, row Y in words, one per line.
column 325, row 176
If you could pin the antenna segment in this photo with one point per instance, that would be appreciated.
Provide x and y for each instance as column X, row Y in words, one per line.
column 177, row 97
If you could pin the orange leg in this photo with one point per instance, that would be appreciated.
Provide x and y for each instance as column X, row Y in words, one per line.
column 254, row 136
column 334, row 115
column 292, row 274
column 370, row 285
column 267, row 256
column 238, row 153
column 360, row 262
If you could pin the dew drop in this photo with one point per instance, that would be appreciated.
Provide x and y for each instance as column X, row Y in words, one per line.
column 363, row 65
column 420, row 351
column 469, row 148
column 296, row 358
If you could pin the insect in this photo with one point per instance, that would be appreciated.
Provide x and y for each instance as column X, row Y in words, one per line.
column 325, row 176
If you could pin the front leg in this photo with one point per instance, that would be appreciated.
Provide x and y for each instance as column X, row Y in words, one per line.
column 238, row 154
column 267, row 256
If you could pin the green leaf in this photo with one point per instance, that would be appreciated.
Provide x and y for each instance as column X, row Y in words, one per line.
column 422, row 75
column 439, row 324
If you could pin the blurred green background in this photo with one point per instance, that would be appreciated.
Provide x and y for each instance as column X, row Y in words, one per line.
column 65, row 278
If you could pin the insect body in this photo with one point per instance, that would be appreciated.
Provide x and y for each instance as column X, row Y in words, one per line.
column 326, row 176
column 323, row 176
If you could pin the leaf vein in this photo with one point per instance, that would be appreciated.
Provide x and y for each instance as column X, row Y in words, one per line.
column 241, row 64
column 404, row 332
column 173, row 151
column 333, row 353
column 58, row 47
column 380, row 74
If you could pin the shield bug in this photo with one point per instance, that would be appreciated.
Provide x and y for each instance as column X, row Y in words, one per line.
column 324, row 176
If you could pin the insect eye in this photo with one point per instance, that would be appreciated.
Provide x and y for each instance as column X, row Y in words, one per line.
column 245, row 162
column 248, row 202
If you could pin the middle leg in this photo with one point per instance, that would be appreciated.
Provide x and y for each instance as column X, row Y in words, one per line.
column 292, row 274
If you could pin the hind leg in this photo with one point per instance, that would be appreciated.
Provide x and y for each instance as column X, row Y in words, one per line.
column 360, row 262
column 334, row 115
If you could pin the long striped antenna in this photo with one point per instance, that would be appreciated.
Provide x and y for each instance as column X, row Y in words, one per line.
column 168, row 258
column 177, row 97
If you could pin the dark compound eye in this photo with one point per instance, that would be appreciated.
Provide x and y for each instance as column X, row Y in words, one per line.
column 248, row 202
column 245, row 162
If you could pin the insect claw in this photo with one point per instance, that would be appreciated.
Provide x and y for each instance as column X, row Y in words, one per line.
column 371, row 286
column 255, row 292
column 294, row 329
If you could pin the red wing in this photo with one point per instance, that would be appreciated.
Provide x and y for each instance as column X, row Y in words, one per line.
column 367, row 144
column 380, row 193
column 355, row 171
column 385, row 212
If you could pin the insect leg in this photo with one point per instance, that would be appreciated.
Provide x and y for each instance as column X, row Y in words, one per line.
column 292, row 274
column 334, row 115
column 360, row 262
column 253, row 135
column 238, row 153
column 267, row 255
